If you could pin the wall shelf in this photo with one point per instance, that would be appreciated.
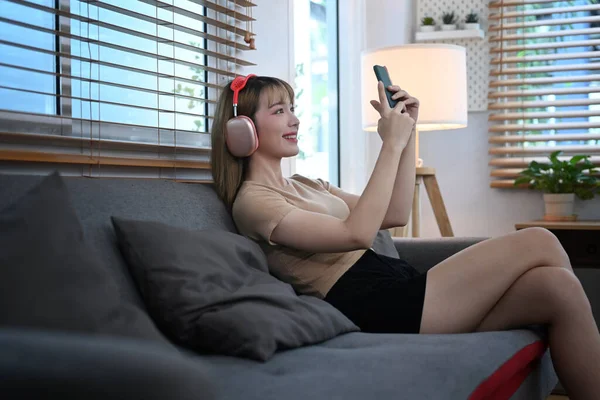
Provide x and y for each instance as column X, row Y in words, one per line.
column 445, row 35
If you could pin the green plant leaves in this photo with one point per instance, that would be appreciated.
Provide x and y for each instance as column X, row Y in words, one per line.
column 561, row 176
column 576, row 159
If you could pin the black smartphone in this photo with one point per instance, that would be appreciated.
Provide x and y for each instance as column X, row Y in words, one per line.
column 382, row 75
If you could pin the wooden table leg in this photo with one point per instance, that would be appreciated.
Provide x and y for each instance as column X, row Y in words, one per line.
column 437, row 203
column 416, row 209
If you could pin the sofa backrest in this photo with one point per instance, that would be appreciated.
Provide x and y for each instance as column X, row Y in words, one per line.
column 187, row 205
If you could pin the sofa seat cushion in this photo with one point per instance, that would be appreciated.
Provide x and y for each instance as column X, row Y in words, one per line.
column 49, row 276
column 362, row 366
column 211, row 291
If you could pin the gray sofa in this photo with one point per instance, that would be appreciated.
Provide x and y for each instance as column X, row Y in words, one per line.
column 67, row 365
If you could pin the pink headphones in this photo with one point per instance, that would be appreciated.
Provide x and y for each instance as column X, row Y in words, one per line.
column 240, row 132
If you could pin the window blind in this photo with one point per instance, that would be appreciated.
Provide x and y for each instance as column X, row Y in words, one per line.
column 116, row 87
column 544, row 86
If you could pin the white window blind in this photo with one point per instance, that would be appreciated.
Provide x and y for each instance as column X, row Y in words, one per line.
column 116, row 87
column 544, row 90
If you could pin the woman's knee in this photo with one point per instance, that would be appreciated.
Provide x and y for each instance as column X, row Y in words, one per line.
column 560, row 290
column 546, row 247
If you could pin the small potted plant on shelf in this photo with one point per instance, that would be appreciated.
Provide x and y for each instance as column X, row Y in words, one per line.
column 472, row 21
column 561, row 181
column 427, row 24
column 449, row 20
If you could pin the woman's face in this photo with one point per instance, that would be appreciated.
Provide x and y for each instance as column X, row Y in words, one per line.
column 276, row 124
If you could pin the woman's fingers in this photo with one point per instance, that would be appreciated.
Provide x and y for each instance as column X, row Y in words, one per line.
column 411, row 100
column 376, row 105
column 407, row 99
column 383, row 103
column 400, row 94
column 400, row 106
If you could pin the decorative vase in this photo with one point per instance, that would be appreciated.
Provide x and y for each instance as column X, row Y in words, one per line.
column 427, row 28
column 472, row 25
column 559, row 206
column 449, row 27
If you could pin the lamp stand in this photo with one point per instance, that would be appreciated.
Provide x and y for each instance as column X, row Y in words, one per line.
column 426, row 175
column 419, row 160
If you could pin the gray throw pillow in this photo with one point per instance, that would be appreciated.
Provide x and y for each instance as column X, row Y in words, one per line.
column 384, row 244
column 211, row 292
column 49, row 278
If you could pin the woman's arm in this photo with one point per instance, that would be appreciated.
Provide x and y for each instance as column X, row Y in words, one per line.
column 313, row 232
column 404, row 187
column 400, row 206
column 316, row 232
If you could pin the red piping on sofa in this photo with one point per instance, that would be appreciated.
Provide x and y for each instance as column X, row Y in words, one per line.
column 505, row 381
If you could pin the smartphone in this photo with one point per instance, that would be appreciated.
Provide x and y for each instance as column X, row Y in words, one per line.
column 382, row 75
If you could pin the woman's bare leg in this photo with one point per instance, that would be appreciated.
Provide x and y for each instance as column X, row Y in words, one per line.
column 518, row 279
column 462, row 289
column 555, row 297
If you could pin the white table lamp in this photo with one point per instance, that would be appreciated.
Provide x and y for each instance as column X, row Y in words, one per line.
column 436, row 74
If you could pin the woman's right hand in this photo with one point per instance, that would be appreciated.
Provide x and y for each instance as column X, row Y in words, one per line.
column 395, row 125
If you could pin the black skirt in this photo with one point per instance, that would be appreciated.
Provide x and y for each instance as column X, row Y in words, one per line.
column 381, row 294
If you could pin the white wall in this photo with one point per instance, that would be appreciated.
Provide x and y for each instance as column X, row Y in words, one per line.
column 274, row 41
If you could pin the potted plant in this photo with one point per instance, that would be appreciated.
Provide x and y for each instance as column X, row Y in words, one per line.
column 449, row 20
column 472, row 21
column 427, row 24
column 561, row 181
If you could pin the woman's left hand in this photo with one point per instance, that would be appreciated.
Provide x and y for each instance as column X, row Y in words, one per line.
column 411, row 103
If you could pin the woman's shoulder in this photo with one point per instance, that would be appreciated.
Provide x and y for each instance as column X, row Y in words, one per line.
column 247, row 200
column 315, row 183
column 253, row 192
column 249, row 191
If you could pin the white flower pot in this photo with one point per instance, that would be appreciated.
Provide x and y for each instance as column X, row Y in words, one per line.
column 451, row 27
column 559, row 204
column 472, row 25
column 427, row 28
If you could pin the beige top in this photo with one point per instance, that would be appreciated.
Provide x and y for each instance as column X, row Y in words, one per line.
column 257, row 210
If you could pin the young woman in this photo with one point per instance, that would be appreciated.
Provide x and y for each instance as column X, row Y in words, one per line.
column 318, row 237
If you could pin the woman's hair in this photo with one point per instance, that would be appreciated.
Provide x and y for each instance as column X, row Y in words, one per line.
column 228, row 171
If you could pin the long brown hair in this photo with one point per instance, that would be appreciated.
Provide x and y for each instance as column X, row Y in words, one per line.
column 228, row 171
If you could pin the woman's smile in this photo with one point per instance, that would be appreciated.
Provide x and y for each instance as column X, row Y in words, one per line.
column 291, row 137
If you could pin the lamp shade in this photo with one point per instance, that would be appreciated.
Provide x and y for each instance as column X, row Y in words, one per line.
column 436, row 74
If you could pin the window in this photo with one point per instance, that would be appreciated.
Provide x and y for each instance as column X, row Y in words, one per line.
column 316, row 84
column 18, row 86
column 544, row 83
column 127, row 86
